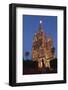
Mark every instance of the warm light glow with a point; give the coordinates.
(38, 54)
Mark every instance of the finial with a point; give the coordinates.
(40, 21)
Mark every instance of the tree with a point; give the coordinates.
(27, 55)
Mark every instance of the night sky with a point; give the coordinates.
(31, 25)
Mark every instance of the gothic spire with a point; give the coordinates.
(40, 26)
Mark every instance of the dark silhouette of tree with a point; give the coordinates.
(27, 55)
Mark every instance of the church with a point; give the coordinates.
(42, 48)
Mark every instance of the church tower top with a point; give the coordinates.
(40, 21)
(40, 26)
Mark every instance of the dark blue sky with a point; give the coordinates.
(30, 26)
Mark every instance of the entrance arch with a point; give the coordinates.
(41, 62)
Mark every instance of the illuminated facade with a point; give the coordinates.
(42, 48)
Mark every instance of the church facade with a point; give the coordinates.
(42, 48)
